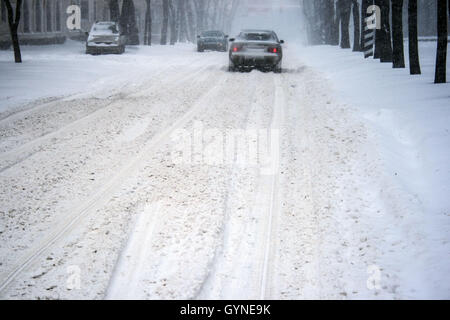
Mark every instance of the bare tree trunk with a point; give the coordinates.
(114, 10)
(441, 55)
(200, 13)
(173, 23)
(184, 30)
(179, 18)
(206, 23)
(231, 15)
(335, 21)
(148, 24)
(165, 24)
(356, 26)
(310, 13)
(13, 26)
(344, 12)
(386, 45)
(133, 32)
(398, 56)
(328, 21)
(190, 21)
(215, 12)
(414, 63)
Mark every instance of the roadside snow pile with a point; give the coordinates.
(53, 71)
(409, 118)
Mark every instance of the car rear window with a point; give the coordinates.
(257, 36)
(211, 34)
(105, 27)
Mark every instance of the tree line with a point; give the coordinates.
(328, 22)
(182, 20)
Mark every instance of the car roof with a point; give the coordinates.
(105, 22)
(257, 31)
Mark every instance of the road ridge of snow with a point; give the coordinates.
(100, 197)
(273, 207)
(206, 284)
(124, 283)
(230, 274)
(16, 152)
(42, 103)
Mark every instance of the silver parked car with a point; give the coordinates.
(105, 37)
(259, 49)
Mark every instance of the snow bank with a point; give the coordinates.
(54, 71)
(409, 117)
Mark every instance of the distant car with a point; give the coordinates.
(105, 37)
(256, 49)
(212, 40)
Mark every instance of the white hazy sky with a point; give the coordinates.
(282, 16)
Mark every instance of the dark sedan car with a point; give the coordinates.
(212, 40)
(256, 49)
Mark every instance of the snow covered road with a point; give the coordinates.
(185, 181)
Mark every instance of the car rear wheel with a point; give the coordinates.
(231, 67)
(277, 68)
(200, 49)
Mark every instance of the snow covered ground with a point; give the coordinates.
(409, 118)
(157, 174)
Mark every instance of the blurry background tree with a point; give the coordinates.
(442, 30)
(165, 22)
(356, 26)
(385, 50)
(328, 22)
(128, 22)
(148, 23)
(174, 23)
(114, 10)
(13, 21)
(414, 63)
(398, 57)
(344, 10)
(312, 13)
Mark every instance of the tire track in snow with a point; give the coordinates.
(45, 102)
(18, 114)
(30, 148)
(273, 186)
(238, 272)
(128, 272)
(103, 195)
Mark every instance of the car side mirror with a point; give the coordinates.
(281, 41)
(87, 34)
(231, 39)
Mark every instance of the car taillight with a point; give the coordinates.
(235, 49)
(273, 50)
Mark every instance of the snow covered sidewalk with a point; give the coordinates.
(408, 121)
